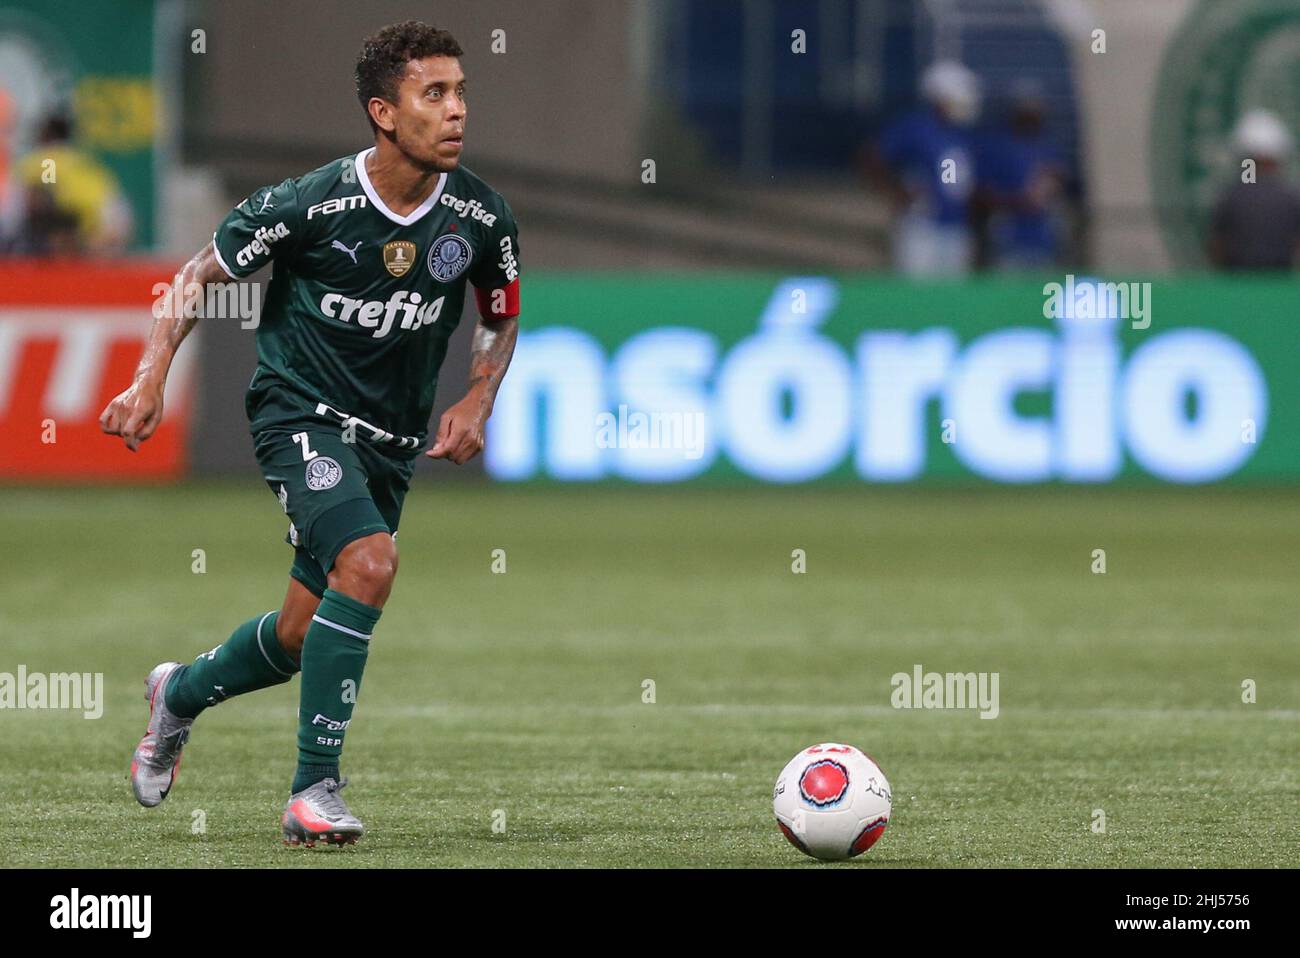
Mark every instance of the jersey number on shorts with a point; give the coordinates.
(308, 454)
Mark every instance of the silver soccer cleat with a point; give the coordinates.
(319, 814)
(158, 756)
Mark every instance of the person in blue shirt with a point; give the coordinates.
(1022, 183)
(925, 162)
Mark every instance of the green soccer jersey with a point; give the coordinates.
(362, 301)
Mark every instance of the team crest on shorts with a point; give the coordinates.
(399, 256)
(448, 257)
(323, 473)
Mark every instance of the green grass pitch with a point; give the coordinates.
(522, 692)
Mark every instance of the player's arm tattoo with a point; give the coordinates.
(494, 345)
(177, 313)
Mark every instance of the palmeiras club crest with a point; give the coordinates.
(1225, 58)
(449, 256)
(323, 473)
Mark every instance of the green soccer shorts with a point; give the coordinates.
(332, 491)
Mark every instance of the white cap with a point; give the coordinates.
(949, 84)
(1260, 134)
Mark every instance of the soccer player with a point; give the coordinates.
(371, 253)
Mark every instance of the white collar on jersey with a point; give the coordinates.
(364, 179)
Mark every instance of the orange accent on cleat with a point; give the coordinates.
(309, 820)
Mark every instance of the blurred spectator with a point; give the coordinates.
(1022, 177)
(925, 163)
(1256, 225)
(72, 203)
(10, 205)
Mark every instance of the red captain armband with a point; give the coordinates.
(499, 303)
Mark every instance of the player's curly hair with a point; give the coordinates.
(384, 57)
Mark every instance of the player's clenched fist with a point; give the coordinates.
(460, 433)
(133, 414)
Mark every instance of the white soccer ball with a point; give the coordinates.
(832, 801)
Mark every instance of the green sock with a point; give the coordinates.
(250, 659)
(333, 658)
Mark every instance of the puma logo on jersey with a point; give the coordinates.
(351, 252)
(471, 208)
(337, 205)
(261, 243)
(266, 203)
(379, 315)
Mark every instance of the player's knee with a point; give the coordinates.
(365, 569)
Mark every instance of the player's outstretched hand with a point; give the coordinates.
(460, 433)
(133, 414)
